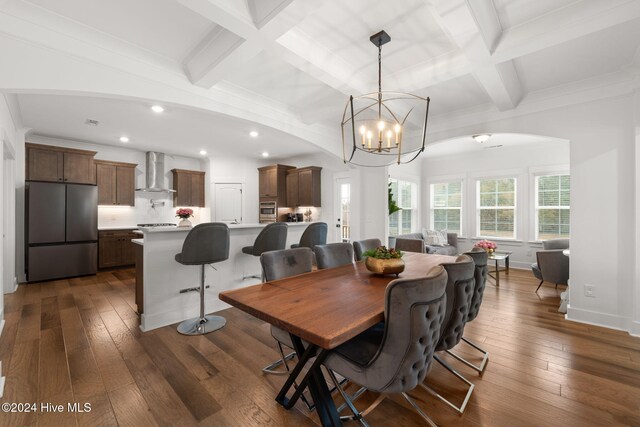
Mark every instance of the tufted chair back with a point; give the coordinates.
(460, 289)
(414, 311)
(333, 255)
(480, 258)
(287, 262)
(362, 246)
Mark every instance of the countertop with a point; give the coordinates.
(138, 241)
(122, 227)
(231, 226)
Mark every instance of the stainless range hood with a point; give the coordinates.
(155, 181)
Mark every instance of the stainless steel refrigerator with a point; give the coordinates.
(61, 230)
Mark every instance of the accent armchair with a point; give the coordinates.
(552, 265)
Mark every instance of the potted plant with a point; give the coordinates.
(384, 261)
(487, 245)
(184, 214)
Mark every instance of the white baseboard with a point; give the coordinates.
(1, 380)
(599, 319)
(635, 329)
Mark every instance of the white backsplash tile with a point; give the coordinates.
(143, 212)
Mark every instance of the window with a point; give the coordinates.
(552, 206)
(446, 206)
(406, 196)
(496, 204)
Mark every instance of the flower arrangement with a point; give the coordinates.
(381, 252)
(185, 213)
(487, 245)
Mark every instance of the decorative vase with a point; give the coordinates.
(184, 222)
(384, 266)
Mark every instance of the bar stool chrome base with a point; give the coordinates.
(201, 326)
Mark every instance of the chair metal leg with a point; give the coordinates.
(357, 416)
(485, 359)
(205, 323)
(270, 369)
(459, 409)
(419, 411)
(541, 282)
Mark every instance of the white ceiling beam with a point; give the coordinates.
(568, 23)
(238, 40)
(474, 26)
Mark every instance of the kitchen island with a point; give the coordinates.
(160, 278)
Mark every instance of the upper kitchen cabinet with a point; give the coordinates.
(58, 164)
(272, 183)
(189, 186)
(303, 187)
(116, 183)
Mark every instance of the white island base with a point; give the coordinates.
(163, 277)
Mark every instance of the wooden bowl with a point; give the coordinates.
(384, 266)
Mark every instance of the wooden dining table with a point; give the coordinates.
(324, 308)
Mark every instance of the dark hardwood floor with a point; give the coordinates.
(78, 341)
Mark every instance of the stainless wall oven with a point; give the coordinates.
(268, 212)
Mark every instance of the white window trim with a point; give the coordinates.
(534, 172)
(462, 203)
(516, 213)
(440, 179)
(416, 218)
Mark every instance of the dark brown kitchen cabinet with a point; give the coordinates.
(115, 248)
(272, 183)
(189, 186)
(59, 164)
(303, 187)
(116, 183)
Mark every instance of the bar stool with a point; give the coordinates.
(314, 234)
(273, 237)
(205, 244)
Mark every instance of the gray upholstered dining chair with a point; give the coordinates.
(278, 265)
(333, 255)
(460, 290)
(396, 356)
(361, 246)
(410, 245)
(314, 234)
(205, 244)
(273, 237)
(480, 259)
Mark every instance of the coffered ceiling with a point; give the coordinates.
(290, 65)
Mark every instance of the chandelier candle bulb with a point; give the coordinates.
(388, 139)
(363, 131)
(369, 136)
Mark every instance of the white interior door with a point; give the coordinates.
(343, 209)
(228, 203)
(8, 221)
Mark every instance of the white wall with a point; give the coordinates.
(602, 140)
(520, 162)
(10, 136)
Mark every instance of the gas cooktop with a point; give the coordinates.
(158, 224)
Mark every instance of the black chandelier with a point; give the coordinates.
(378, 128)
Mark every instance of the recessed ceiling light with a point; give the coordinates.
(124, 139)
(253, 134)
(265, 154)
(157, 108)
(484, 137)
(203, 152)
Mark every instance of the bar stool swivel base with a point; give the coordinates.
(200, 326)
(205, 323)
